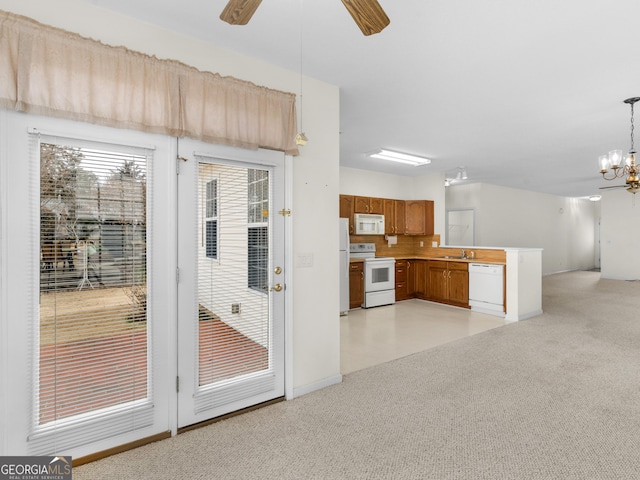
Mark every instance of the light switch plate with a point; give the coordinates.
(304, 260)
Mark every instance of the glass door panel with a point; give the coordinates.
(231, 321)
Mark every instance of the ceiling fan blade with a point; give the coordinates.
(368, 14)
(239, 12)
(613, 186)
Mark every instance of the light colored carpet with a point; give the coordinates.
(552, 397)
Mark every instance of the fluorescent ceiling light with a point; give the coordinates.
(400, 157)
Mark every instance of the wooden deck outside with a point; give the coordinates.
(94, 355)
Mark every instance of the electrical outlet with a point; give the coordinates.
(235, 308)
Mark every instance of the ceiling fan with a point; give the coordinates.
(368, 14)
(630, 187)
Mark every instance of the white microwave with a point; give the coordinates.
(369, 224)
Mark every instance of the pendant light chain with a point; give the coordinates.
(632, 149)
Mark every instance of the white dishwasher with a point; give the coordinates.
(486, 288)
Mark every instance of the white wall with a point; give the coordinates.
(316, 313)
(316, 328)
(620, 234)
(376, 184)
(505, 217)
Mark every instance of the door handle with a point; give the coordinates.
(277, 287)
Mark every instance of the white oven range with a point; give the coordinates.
(379, 275)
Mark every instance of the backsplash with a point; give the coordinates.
(407, 244)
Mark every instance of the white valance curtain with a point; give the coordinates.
(48, 71)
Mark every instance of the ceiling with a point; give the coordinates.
(525, 94)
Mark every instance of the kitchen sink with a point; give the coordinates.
(452, 257)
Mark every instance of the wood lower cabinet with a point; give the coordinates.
(411, 279)
(448, 282)
(419, 279)
(356, 284)
(402, 283)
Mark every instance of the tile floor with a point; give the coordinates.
(377, 335)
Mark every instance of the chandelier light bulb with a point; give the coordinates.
(604, 163)
(615, 156)
(629, 159)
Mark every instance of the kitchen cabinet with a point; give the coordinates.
(394, 216)
(418, 279)
(448, 282)
(402, 217)
(356, 284)
(419, 217)
(368, 205)
(402, 284)
(346, 210)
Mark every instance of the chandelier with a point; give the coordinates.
(614, 165)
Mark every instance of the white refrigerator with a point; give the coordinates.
(344, 266)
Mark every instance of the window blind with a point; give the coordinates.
(234, 318)
(91, 364)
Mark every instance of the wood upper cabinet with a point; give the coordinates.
(448, 282)
(368, 205)
(394, 216)
(402, 217)
(346, 210)
(356, 284)
(419, 217)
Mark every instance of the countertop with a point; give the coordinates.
(428, 257)
(444, 259)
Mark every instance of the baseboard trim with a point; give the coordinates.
(312, 387)
(119, 449)
(516, 318)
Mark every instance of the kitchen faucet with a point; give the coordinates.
(464, 254)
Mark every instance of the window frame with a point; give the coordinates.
(258, 262)
(214, 219)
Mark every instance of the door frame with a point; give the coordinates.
(472, 210)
